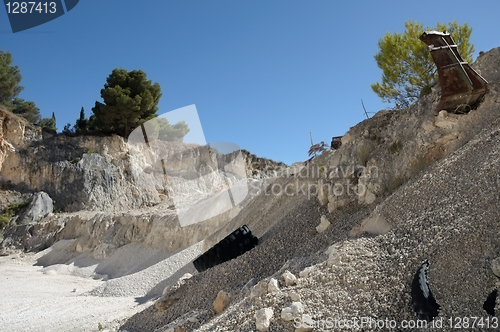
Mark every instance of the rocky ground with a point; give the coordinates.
(371, 276)
(444, 214)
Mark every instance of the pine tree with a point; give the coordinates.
(129, 100)
(160, 128)
(48, 123)
(68, 130)
(25, 109)
(168, 132)
(10, 77)
(81, 126)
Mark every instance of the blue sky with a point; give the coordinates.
(262, 74)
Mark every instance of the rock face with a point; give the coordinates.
(102, 173)
(79, 173)
(39, 207)
(6, 119)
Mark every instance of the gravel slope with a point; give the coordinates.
(290, 240)
(448, 215)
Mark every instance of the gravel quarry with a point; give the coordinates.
(435, 198)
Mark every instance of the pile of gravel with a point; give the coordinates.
(448, 216)
(290, 242)
(149, 282)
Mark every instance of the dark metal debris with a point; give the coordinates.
(424, 303)
(490, 303)
(336, 142)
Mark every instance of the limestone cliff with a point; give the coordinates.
(124, 184)
(89, 172)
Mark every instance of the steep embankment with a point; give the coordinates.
(442, 211)
(447, 215)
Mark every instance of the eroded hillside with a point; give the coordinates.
(430, 193)
(405, 186)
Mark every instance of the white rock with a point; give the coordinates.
(375, 225)
(273, 286)
(292, 311)
(323, 225)
(369, 197)
(445, 120)
(263, 318)
(294, 296)
(258, 290)
(495, 266)
(305, 273)
(290, 278)
(332, 250)
(181, 281)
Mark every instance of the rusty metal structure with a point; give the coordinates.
(461, 86)
(336, 142)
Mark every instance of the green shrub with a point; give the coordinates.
(396, 147)
(395, 183)
(418, 164)
(364, 154)
(427, 89)
(9, 212)
(4, 220)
